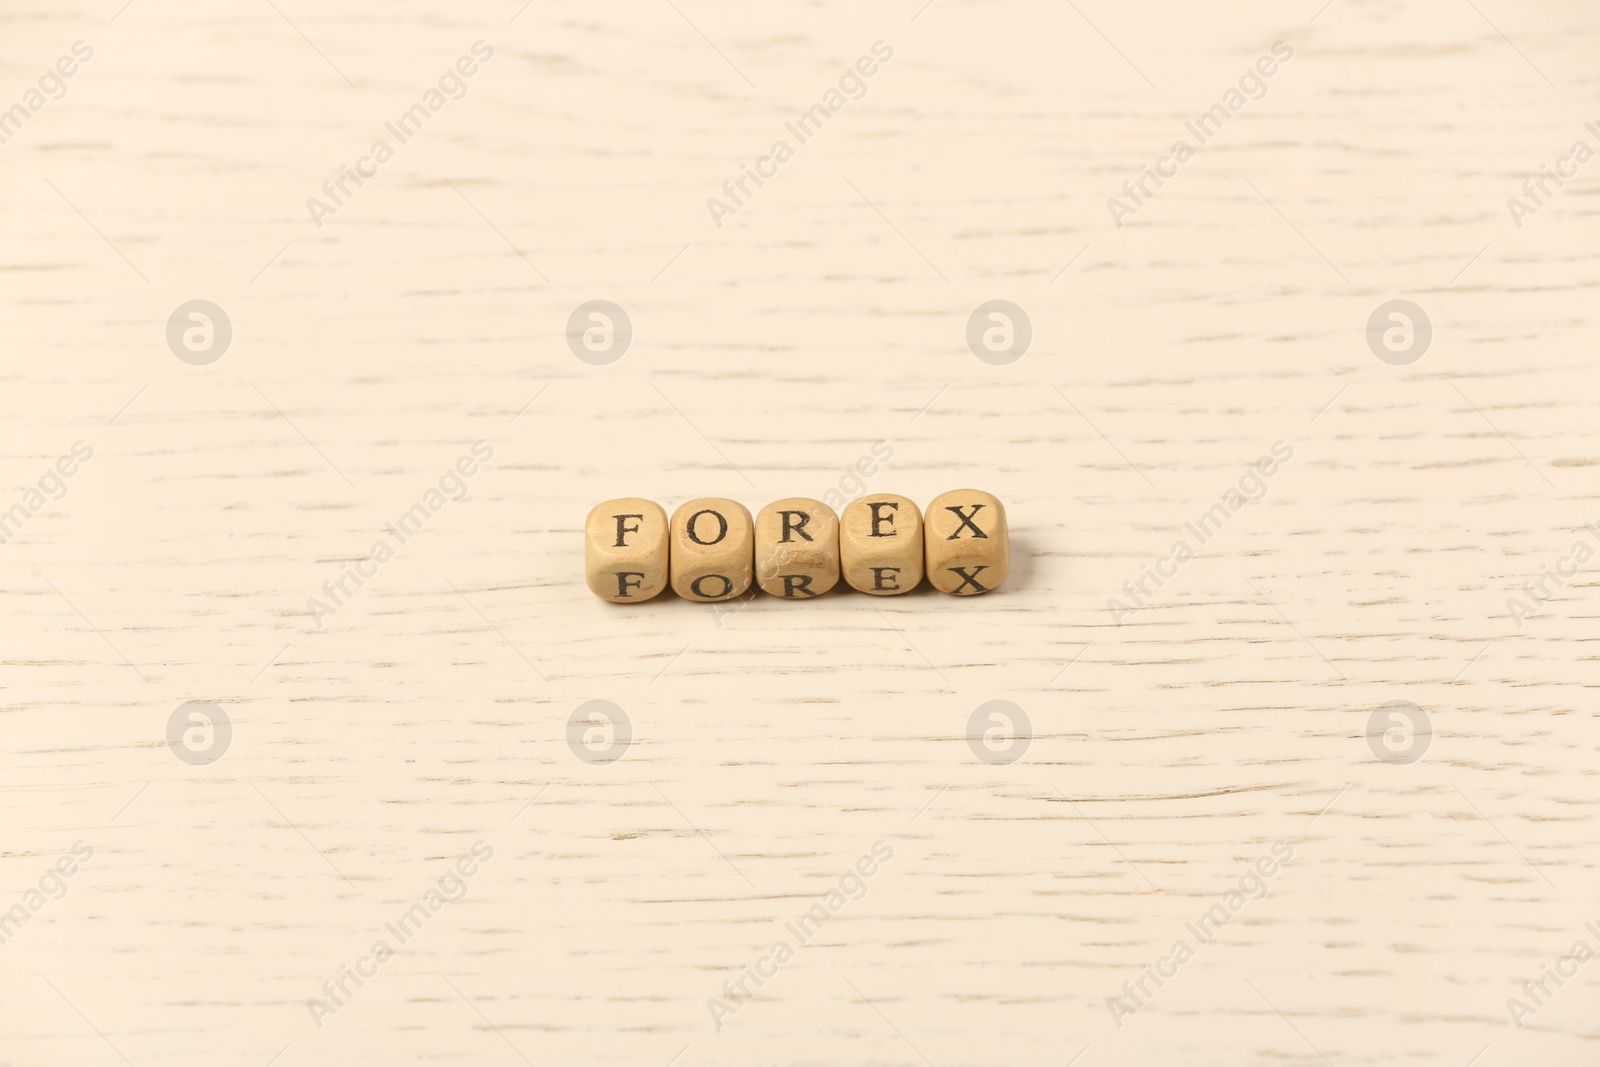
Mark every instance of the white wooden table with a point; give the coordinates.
(227, 884)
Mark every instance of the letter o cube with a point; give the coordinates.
(713, 545)
(797, 548)
(968, 545)
(625, 549)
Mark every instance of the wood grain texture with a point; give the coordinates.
(380, 730)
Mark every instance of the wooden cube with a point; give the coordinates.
(625, 550)
(713, 549)
(967, 544)
(797, 548)
(880, 544)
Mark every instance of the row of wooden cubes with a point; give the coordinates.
(711, 549)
